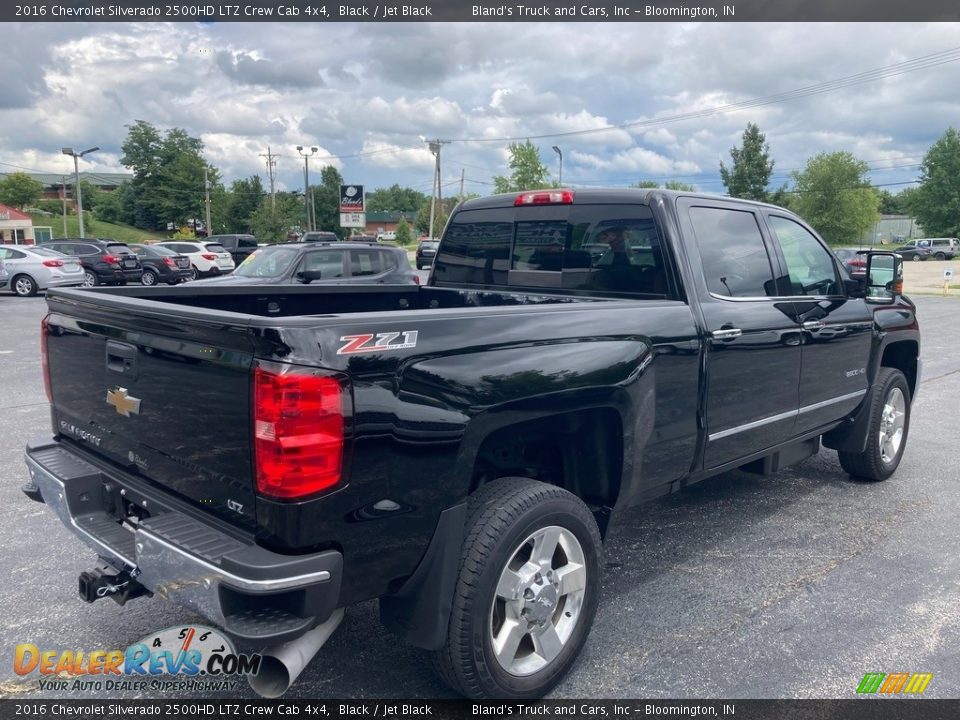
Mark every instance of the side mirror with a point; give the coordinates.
(884, 277)
(308, 276)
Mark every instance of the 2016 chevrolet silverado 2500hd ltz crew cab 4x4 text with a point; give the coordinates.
(269, 455)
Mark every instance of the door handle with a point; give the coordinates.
(726, 333)
(812, 325)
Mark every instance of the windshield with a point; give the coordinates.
(267, 262)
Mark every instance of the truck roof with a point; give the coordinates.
(602, 195)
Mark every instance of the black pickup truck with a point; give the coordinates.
(270, 455)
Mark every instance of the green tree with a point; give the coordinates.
(271, 224)
(936, 202)
(752, 167)
(403, 232)
(670, 185)
(243, 201)
(527, 171)
(19, 190)
(168, 176)
(394, 199)
(834, 195)
(443, 209)
(326, 201)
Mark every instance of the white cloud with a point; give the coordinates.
(365, 92)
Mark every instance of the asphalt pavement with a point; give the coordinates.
(791, 586)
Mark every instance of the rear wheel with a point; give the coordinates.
(917, 258)
(90, 278)
(24, 286)
(527, 591)
(194, 274)
(888, 428)
(149, 277)
(941, 256)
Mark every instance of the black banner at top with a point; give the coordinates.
(622, 11)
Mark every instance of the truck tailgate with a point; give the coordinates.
(166, 399)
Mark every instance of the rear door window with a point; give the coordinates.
(119, 250)
(733, 255)
(365, 262)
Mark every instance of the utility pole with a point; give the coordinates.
(271, 168)
(307, 195)
(462, 172)
(76, 173)
(63, 186)
(435, 146)
(206, 190)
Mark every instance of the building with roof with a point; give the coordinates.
(386, 221)
(16, 228)
(56, 186)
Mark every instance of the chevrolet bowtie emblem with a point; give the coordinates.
(123, 402)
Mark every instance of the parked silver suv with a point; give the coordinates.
(940, 248)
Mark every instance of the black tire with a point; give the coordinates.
(149, 277)
(24, 285)
(504, 518)
(877, 462)
(194, 273)
(90, 279)
(419, 266)
(941, 256)
(917, 258)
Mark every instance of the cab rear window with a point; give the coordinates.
(609, 249)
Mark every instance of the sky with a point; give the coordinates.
(630, 102)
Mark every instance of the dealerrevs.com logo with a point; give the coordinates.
(194, 657)
(894, 683)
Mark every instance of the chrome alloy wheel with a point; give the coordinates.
(892, 422)
(538, 601)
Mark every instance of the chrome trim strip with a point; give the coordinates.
(783, 416)
(831, 401)
(752, 425)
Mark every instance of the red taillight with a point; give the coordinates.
(298, 432)
(111, 259)
(53, 263)
(416, 279)
(545, 197)
(208, 256)
(44, 362)
(169, 262)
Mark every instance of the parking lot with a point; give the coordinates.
(791, 586)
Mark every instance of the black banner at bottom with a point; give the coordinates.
(855, 709)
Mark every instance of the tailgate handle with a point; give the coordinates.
(122, 358)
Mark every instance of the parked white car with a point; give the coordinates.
(206, 258)
(29, 268)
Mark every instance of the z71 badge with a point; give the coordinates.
(380, 342)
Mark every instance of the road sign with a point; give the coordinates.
(353, 219)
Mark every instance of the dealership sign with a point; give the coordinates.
(351, 206)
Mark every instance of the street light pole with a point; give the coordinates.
(307, 195)
(560, 176)
(76, 173)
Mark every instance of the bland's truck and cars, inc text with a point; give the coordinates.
(269, 455)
